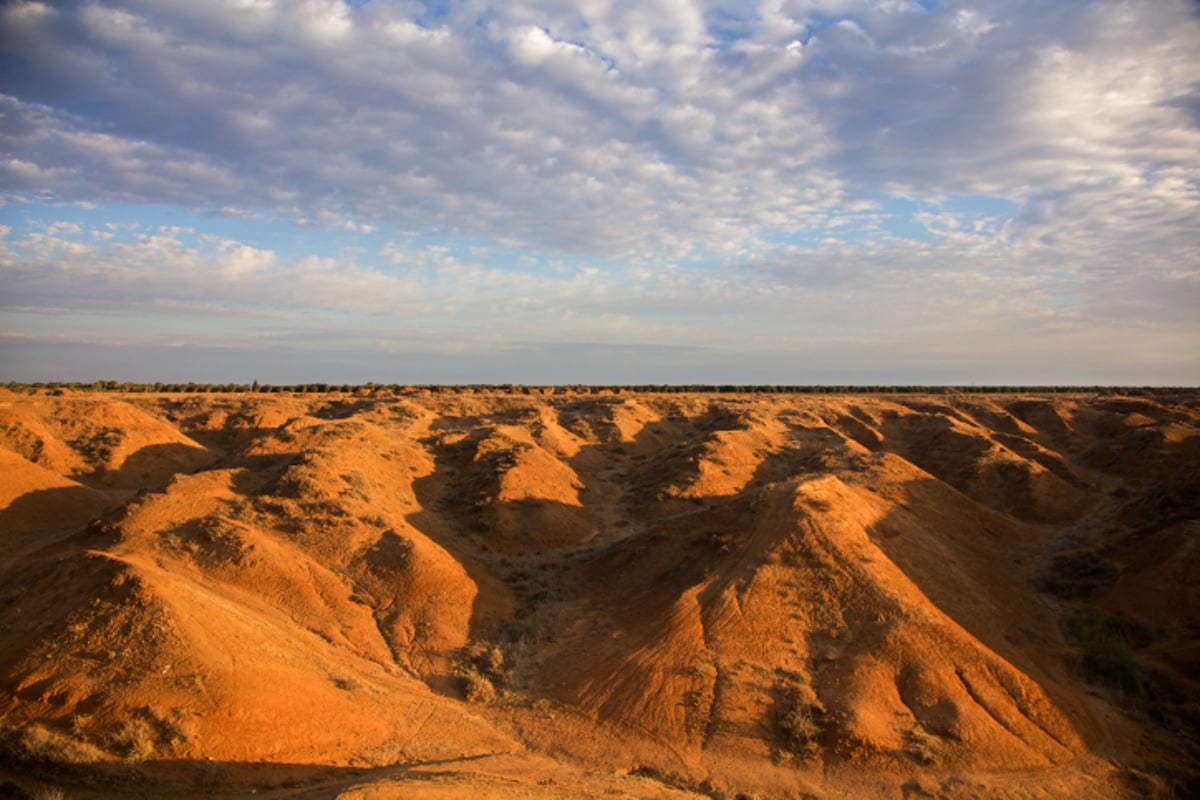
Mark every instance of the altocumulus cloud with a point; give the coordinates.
(897, 190)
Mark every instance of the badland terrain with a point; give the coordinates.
(435, 594)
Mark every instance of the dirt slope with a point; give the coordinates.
(588, 595)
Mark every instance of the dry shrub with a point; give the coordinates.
(38, 744)
(476, 688)
(134, 739)
(48, 793)
(920, 746)
(1153, 785)
(1075, 576)
(800, 728)
(480, 668)
(151, 733)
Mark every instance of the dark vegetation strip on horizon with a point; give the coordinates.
(373, 389)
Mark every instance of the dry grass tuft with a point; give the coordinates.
(800, 727)
(919, 745)
(48, 793)
(134, 739)
(37, 744)
(1154, 786)
(481, 669)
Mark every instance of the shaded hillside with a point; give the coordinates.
(574, 595)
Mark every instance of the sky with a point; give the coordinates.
(601, 191)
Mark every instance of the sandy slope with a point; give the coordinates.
(598, 595)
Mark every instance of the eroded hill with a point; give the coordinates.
(589, 595)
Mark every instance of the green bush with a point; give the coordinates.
(1108, 641)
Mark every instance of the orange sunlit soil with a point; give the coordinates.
(433, 594)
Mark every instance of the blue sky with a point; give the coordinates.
(670, 191)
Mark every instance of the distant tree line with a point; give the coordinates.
(375, 389)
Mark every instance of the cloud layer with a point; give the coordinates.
(742, 177)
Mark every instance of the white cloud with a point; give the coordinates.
(645, 136)
(646, 120)
(959, 294)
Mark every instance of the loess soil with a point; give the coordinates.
(439, 594)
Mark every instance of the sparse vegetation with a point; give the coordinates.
(757, 618)
(919, 744)
(1108, 641)
(41, 745)
(369, 389)
(1074, 576)
(477, 688)
(99, 447)
(152, 733)
(134, 739)
(481, 671)
(48, 793)
(800, 726)
(1153, 786)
